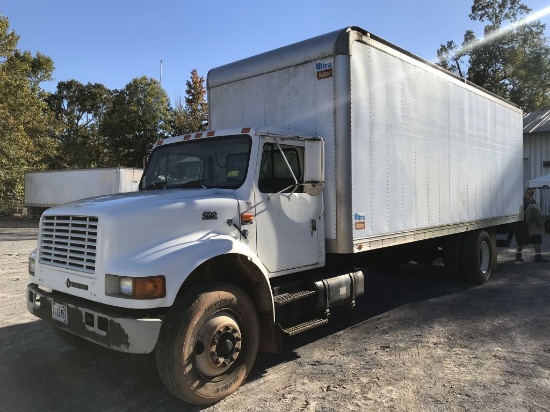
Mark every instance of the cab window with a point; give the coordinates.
(275, 174)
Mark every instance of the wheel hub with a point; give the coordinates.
(218, 344)
(484, 257)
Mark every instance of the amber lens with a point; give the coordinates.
(149, 288)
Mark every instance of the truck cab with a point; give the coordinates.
(217, 213)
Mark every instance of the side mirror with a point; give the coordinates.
(145, 161)
(314, 171)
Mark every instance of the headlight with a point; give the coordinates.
(32, 262)
(151, 287)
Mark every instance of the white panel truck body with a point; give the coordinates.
(55, 187)
(322, 157)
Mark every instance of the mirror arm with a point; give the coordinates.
(287, 164)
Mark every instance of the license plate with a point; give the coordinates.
(59, 312)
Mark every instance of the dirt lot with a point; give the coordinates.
(416, 342)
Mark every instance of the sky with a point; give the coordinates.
(114, 41)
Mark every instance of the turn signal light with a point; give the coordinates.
(247, 218)
(153, 287)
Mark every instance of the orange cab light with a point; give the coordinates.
(245, 130)
(187, 137)
(198, 135)
(152, 287)
(210, 133)
(159, 142)
(247, 218)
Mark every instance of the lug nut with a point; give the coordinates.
(224, 363)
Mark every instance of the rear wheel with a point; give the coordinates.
(208, 343)
(478, 256)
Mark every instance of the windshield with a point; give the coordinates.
(214, 162)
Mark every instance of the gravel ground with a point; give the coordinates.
(415, 342)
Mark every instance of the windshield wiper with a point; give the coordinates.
(199, 183)
(156, 185)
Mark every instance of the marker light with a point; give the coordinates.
(247, 218)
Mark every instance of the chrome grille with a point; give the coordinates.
(69, 242)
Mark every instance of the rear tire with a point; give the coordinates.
(478, 256)
(208, 343)
(452, 257)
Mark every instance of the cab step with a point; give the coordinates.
(286, 298)
(302, 327)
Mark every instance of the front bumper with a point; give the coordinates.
(119, 332)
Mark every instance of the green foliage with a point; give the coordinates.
(80, 125)
(512, 59)
(80, 109)
(193, 116)
(139, 115)
(26, 124)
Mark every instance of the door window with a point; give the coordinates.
(275, 175)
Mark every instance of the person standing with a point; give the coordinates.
(531, 228)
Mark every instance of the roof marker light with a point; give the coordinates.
(245, 130)
(211, 133)
(187, 137)
(159, 142)
(198, 135)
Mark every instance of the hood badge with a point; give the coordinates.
(209, 215)
(75, 285)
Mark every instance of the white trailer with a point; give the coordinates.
(55, 187)
(336, 151)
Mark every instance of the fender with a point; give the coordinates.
(178, 258)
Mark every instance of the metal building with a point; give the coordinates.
(536, 145)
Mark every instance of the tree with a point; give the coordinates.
(139, 115)
(193, 116)
(512, 59)
(81, 108)
(26, 123)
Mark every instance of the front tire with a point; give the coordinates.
(208, 343)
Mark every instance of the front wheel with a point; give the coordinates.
(208, 343)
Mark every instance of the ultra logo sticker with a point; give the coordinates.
(360, 221)
(324, 70)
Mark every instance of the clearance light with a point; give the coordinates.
(210, 133)
(247, 218)
(151, 287)
(159, 142)
(245, 130)
(198, 135)
(187, 137)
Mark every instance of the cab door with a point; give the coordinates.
(288, 224)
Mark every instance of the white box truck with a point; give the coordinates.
(321, 156)
(55, 187)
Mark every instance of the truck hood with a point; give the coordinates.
(131, 224)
